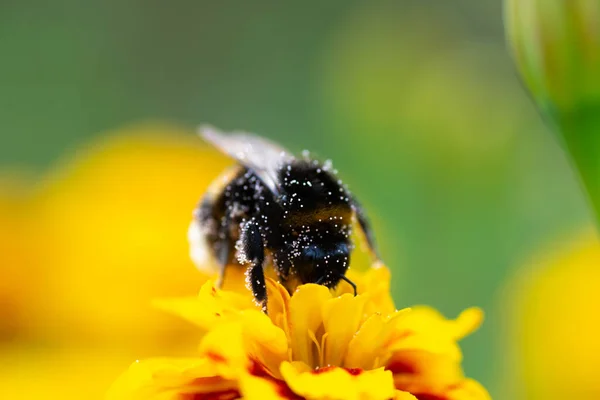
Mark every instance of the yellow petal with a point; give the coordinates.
(374, 342)
(401, 395)
(168, 378)
(366, 344)
(333, 383)
(264, 342)
(468, 322)
(341, 318)
(429, 342)
(224, 347)
(426, 319)
(278, 304)
(419, 371)
(256, 388)
(304, 319)
(210, 307)
(375, 283)
(426, 329)
(468, 390)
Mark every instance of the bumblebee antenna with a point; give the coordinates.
(345, 278)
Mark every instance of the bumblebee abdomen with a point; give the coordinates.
(312, 194)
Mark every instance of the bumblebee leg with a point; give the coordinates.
(256, 276)
(222, 259)
(254, 251)
(365, 226)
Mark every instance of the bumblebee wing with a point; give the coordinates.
(262, 156)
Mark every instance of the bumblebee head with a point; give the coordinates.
(322, 263)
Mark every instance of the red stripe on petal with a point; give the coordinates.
(229, 394)
(259, 370)
(206, 381)
(322, 370)
(215, 357)
(286, 393)
(351, 371)
(401, 367)
(430, 397)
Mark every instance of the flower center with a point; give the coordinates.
(318, 348)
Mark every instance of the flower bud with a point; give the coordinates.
(556, 46)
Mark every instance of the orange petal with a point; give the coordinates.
(337, 383)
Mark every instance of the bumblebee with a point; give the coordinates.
(274, 208)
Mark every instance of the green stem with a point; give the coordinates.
(580, 131)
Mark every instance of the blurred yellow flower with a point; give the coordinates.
(554, 325)
(15, 260)
(314, 345)
(110, 234)
(84, 253)
(38, 371)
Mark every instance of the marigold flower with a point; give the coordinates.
(314, 344)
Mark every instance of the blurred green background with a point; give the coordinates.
(417, 103)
